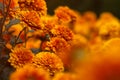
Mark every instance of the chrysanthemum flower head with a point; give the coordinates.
(107, 16)
(32, 19)
(65, 76)
(20, 57)
(65, 14)
(36, 5)
(95, 45)
(110, 29)
(29, 72)
(102, 66)
(49, 61)
(57, 44)
(79, 41)
(49, 23)
(89, 16)
(60, 47)
(81, 27)
(62, 31)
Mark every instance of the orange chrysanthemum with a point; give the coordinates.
(60, 47)
(104, 68)
(90, 17)
(104, 65)
(56, 45)
(20, 56)
(29, 72)
(81, 27)
(105, 18)
(49, 24)
(110, 29)
(65, 14)
(62, 31)
(65, 76)
(36, 5)
(32, 19)
(48, 61)
(79, 41)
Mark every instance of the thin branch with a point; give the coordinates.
(4, 18)
(3, 7)
(25, 36)
(19, 36)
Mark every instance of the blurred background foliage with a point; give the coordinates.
(97, 6)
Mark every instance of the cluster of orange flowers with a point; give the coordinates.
(65, 46)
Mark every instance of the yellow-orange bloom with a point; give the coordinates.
(62, 31)
(32, 19)
(105, 18)
(95, 45)
(36, 5)
(102, 66)
(60, 47)
(65, 76)
(48, 61)
(20, 56)
(49, 23)
(56, 44)
(29, 72)
(89, 17)
(81, 27)
(65, 14)
(79, 41)
(110, 29)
